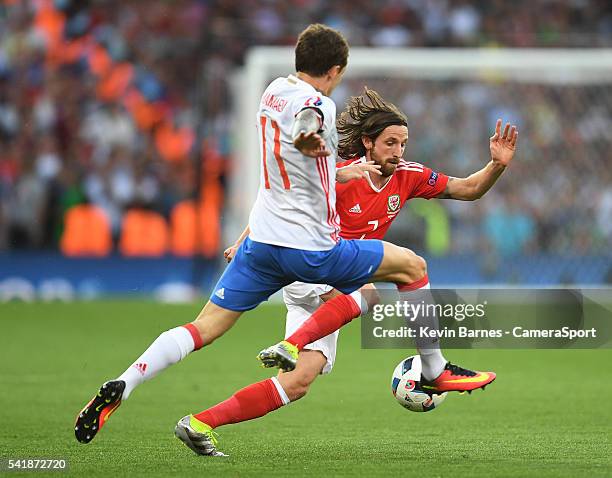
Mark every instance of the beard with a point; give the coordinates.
(386, 168)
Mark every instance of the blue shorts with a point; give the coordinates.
(259, 270)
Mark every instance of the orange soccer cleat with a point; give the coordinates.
(457, 379)
(94, 415)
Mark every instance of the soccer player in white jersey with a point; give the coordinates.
(372, 130)
(294, 234)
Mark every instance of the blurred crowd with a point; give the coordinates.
(119, 103)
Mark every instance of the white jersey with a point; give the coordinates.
(296, 202)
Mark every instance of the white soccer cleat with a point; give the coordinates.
(198, 436)
(283, 355)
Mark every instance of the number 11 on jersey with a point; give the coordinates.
(279, 160)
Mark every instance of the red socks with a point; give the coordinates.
(328, 318)
(251, 402)
(414, 285)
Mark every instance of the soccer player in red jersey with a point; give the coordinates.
(373, 131)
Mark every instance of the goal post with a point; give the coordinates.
(570, 87)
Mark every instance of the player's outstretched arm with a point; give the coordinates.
(502, 147)
(305, 134)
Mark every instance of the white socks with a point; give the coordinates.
(432, 360)
(169, 348)
(361, 302)
(432, 363)
(281, 391)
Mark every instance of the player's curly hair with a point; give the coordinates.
(365, 115)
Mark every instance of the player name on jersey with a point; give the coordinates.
(274, 102)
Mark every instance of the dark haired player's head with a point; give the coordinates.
(322, 53)
(374, 128)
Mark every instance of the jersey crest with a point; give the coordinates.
(393, 203)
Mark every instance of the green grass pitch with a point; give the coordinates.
(548, 413)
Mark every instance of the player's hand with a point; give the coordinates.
(503, 145)
(311, 144)
(230, 252)
(357, 171)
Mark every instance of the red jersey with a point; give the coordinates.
(366, 212)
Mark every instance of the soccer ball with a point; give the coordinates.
(406, 387)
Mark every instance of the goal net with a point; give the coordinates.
(548, 220)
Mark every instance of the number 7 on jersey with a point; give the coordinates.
(375, 226)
